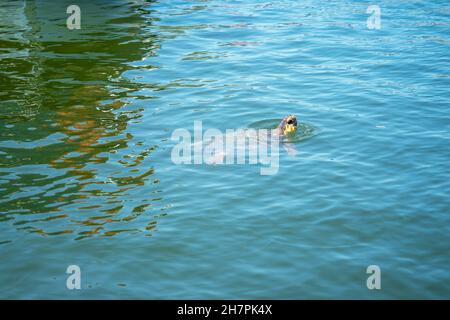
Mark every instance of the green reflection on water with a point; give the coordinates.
(70, 164)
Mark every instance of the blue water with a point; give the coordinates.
(86, 176)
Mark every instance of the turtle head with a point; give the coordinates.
(288, 125)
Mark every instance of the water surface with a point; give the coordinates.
(86, 176)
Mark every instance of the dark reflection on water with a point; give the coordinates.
(69, 162)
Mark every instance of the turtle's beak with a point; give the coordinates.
(289, 128)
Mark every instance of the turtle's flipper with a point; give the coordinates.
(290, 149)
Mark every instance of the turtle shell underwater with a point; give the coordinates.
(216, 147)
(286, 128)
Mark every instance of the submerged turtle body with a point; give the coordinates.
(287, 127)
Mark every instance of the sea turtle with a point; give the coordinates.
(269, 138)
(286, 128)
(236, 146)
(288, 125)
